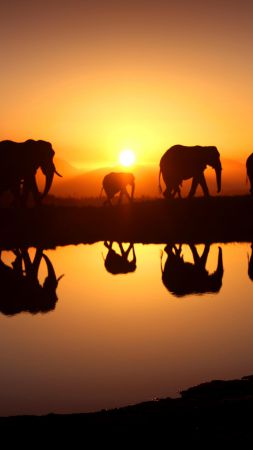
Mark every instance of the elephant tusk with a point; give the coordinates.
(57, 173)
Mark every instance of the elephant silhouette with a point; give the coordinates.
(180, 163)
(184, 278)
(249, 170)
(250, 263)
(115, 182)
(119, 263)
(20, 286)
(19, 162)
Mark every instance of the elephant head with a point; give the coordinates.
(213, 160)
(41, 155)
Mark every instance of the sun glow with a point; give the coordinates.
(127, 158)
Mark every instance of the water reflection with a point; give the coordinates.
(250, 263)
(121, 262)
(116, 340)
(20, 286)
(185, 278)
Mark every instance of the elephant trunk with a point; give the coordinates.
(219, 270)
(49, 173)
(218, 274)
(133, 189)
(51, 281)
(215, 280)
(49, 181)
(218, 169)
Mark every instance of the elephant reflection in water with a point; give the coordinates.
(21, 290)
(185, 278)
(119, 263)
(250, 263)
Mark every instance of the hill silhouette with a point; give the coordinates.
(76, 183)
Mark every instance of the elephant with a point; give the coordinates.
(20, 286)
(118, 263)
(249, 169)
(115, 182)
(181, 162)
(19, 162)
(250, 264)
(184, 278)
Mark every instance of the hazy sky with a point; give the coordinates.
(94, 77)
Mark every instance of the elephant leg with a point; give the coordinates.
(127, 251)
(35, 192)
(204, 256)
(195, 255)
(195, 182)
(108, 201)
(31, 186)
(120, 196)
(202, 182)
(124, 191)
(179, 192)
(16, 192)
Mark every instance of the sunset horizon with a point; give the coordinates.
(126, 202)
(94, 79)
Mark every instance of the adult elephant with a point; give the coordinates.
(21, 290)
(180, 163)
(115, 182)
(185, 278)
(249, 168)
(19, 162)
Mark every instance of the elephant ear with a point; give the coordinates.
(45, 149)
(35, 152)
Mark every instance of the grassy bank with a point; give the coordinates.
(218, 412)
(217, 219)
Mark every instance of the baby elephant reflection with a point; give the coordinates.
(20, 287)
(185, 278)
(119, 263)
(250, 263)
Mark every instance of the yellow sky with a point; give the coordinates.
(96, 77)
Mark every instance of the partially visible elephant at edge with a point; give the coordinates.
(181, 162)
(249, 169)
(19, 162)
(250, 264)
(185, 278)
(115, 182)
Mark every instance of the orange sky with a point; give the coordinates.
(94, 77)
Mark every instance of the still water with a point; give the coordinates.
(96, 338)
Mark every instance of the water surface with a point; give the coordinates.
(109, 340)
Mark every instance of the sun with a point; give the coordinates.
(127, 158)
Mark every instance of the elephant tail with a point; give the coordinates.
(159, 182)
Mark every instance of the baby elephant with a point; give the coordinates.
(116, 182)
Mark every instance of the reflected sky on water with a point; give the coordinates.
(116, 337)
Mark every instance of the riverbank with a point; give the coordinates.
(199, 220)
(218, 412)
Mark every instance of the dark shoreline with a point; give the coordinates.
(199, 220)
(217, 411)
